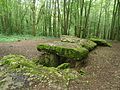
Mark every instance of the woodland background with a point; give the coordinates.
(82, 18)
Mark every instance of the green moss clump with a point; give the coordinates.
(77, 53)
(16, 61)
(64, 66)
(14, 67)
(88, 44)
(101, 42)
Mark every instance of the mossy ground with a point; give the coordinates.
(14, 38)
(16, 72)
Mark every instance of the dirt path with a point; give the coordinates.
(26, 48)
(102, 70)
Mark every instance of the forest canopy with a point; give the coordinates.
(82, 18)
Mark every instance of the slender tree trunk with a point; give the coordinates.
(118, 36)
(65, 22)
(50, 19)
(58, 18)
(86, 21)
(113, 21)
(105, 20)
(98, 26)
(81, 16)
(33, 18)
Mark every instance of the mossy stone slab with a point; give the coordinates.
(64, 49)
(101, 42)
(88, 44)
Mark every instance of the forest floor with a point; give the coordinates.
(102, 72)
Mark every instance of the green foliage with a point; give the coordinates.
(81, 18)
(14, 38)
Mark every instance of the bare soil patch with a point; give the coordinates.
(102, 70)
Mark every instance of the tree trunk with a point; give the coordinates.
(33, 18)
(98, 26)
(86, 21)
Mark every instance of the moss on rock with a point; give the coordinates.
(16, 61)
(88, 44)
(68, 50)
(64, 66)
(71, 39)
(101, 42)
(19, 73)
(47, 59)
